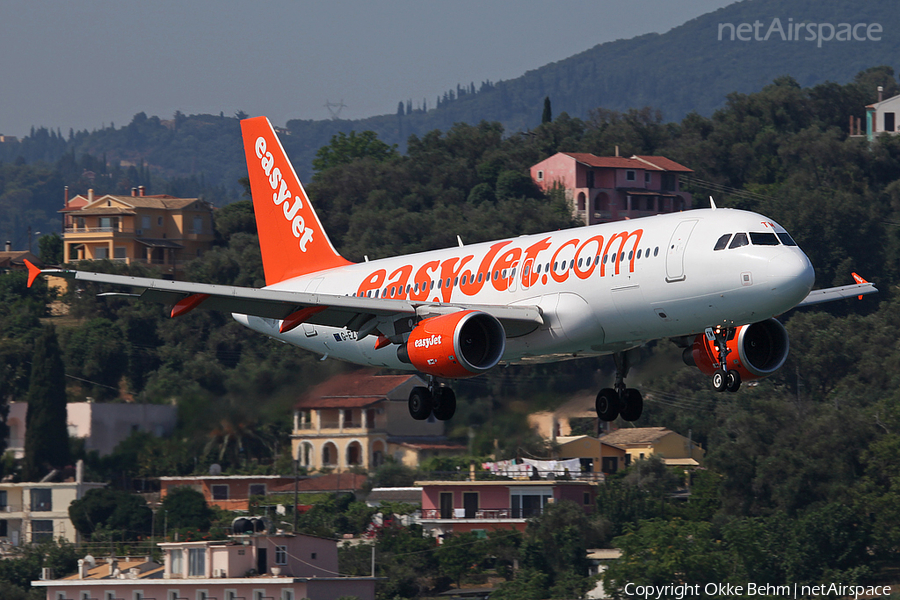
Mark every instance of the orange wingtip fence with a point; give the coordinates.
(33, 271)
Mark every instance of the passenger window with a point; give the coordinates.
(723, 242)
(740, 239)
(763, 239)
(786, 239)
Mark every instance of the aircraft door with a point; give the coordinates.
(514, 274)
(675, 251)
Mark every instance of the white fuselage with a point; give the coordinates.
(655, 277)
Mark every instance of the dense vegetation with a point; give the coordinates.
(802, 469)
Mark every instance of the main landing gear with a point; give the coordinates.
(434, 399)
(620, 401)
(723, 379)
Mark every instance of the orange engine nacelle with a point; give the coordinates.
(458, 345)
(757, 351)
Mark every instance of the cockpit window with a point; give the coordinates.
(740, 239)
(763, 238)
(786, 239)
(723, 242)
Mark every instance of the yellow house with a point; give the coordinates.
(358, 419)
(643, 442)
(159, 230)
(602, 457)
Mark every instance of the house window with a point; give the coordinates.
(172, 594)
(41, 531)
(280, 555)
(287, 594)
(202, 595)
(630, 175)
(528, 502)
(219, 492)
(120, 252)
(589, 177)
(110, 595)
(159, 220)
(313, 556)
(540, 175)
(196, 562)
(198, 225)
(3, 498)
(101, 253)
(145, 222)
(4, 528)
(230, 595)
(137, 595)
(646, 178)
(85, 596)
(581, 201)
(889, 124)
(257, 489)
(587, 498)
(176, 559)
(41, 500)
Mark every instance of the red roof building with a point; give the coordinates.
(612, 188)
(358, 419)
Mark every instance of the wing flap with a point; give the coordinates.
(341, 311)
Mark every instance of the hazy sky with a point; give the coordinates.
(88, 63)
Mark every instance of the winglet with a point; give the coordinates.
(33, 271)
(858, 279)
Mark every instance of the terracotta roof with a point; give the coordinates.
(333, 482)
(664, 163)
(16, 257)
(635, 435)
(649, 163)
(612, 162)
(352, 390)
(102, 571)
(161, 201)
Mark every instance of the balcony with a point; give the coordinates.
(70, 229)
(492, 514)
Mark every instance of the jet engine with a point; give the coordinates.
(756, 350)
(456, 345)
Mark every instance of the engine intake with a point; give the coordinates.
(458, 345)
(757, 350)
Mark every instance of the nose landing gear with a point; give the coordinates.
(723, 379)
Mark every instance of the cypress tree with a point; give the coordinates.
(548, 114)
(46, 434)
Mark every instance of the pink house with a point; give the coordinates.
(248, 567)
(482, 506)
(612, 188)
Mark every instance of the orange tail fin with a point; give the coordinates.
(291, 237)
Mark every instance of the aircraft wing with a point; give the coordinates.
(838, 293)
(319, 309)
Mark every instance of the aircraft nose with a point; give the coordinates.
(791, 274)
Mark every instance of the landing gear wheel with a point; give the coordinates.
(607, 404)
(632, 406)
(732, 381)
(420, 403)
(444, 403)
(719, 381)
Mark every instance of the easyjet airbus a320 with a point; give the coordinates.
(710, 280)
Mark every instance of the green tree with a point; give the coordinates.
(460, 554)
(345, 149)
(186, 507)
(46, 434)
(113, 510)
(547, 115)
(50, 249)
